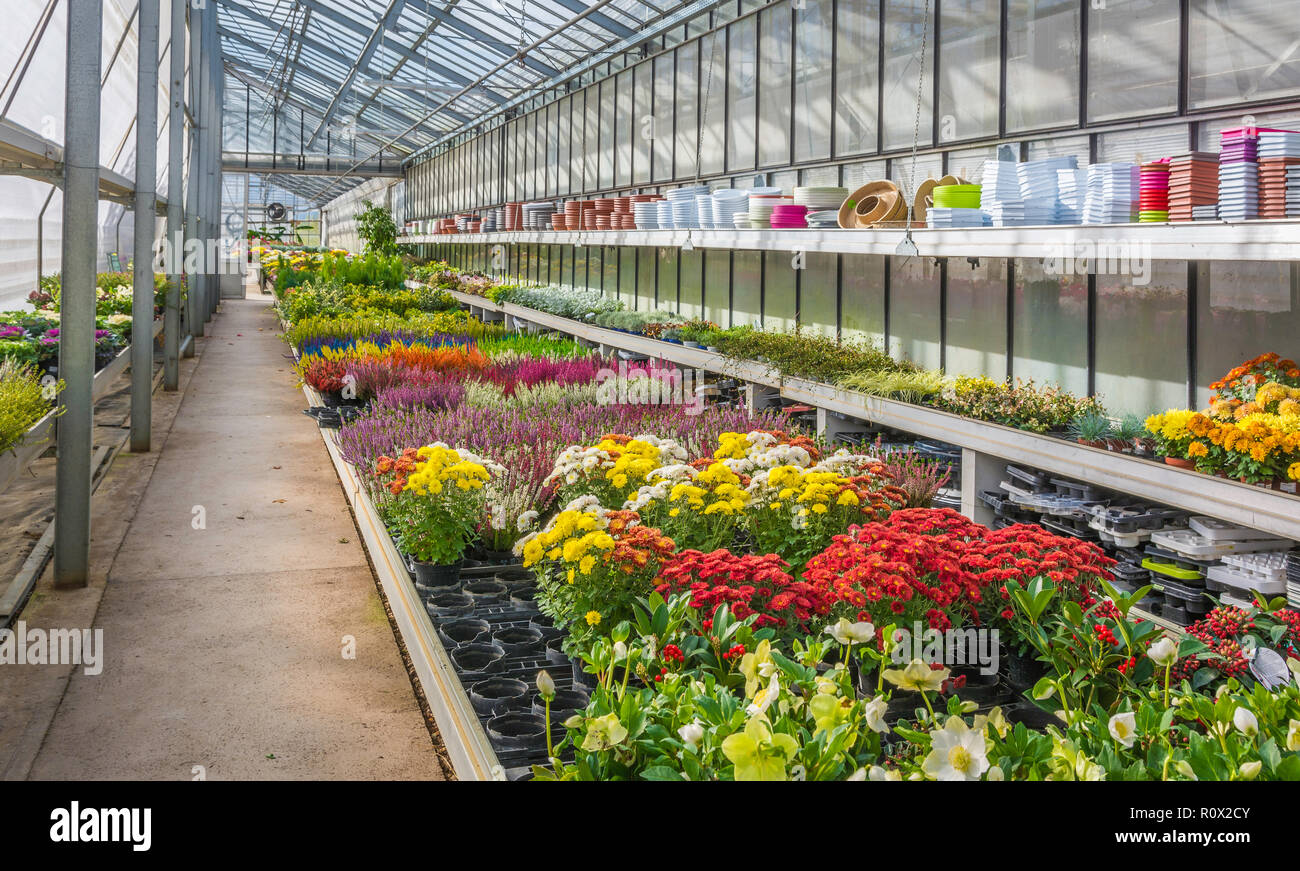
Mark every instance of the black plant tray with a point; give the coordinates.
(1077, 490)
(1128, 519)
(1055, 525)
(1037, 480)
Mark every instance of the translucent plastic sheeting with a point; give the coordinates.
(35, 102)
(338, 219)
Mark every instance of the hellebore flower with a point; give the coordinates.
(1163, 652)
(1123, 728)
(758, 753)
(957, 752)
(848, 634)
(917, 676)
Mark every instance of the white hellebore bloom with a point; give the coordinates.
(691, 733)
(1293, 736)
(996, 773)
(764, 698)
(857, 776)
(881, 775)
(1123, 728)
(957, 752)
(875, 714)
(848, 634)
(1246, 722)
(1250, 770)
(1163, 652)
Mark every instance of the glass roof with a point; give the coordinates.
(361, 72)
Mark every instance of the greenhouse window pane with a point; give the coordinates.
(1142, 339)
(780, 309)
(914, 310)
(863, 298)
(857, 46)
(591, 131)
(663, 117)
(686, 104)
(717, 287)
(713, 103)
(1050, 330)
(1132, 58)
(775, 75)
(817, 292)
(606, 179)
(1243, 309)
(691, 283)
(642, 121)
(741, 93)
(623, 130)
(1042, 63)
(905, 26)
(812, 77)
(977, 318)
(646, 280)
(1240, 52)
(667, 278)
(969, 68)
(610, 285)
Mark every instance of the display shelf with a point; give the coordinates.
(462, 735)
(1203, 240)
(26, 153)
(38, 437)
(1272, 511)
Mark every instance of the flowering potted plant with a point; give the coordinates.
(436, 507)
(592, 563)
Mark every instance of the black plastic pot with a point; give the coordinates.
(525, 596)
(1023, 670)
(331, 398)
(565, 704)
(516, 730)
(429, 576)
(555, 653)
(511, 575)
(983, 689)
(497, 695)
(484, 592)
(467, 630)
(478, 660)
(1031, 715)
(520, 641)
(582, 678)
(448, 606)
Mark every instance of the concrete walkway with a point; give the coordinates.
(231, 598)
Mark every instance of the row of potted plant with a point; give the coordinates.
(1251, 430)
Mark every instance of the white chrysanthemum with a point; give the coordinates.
(527, 519)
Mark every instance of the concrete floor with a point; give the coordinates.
(224, 644)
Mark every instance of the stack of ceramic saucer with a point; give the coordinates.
(664, 219)
(827, 219)
(646, 215)
(820, 199)
(537, 216)
(727, 205)
(686, 207)
(761, 206)
(789, 216)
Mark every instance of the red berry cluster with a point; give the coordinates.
(736, 651)
(1104, 633)
(1128, 665)
(673, 653)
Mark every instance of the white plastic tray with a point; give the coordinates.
(1219, 530)
(1188, 543)
(1243, 582)
(1269, 565)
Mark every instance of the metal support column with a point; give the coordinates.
(197, 280)
(146, 223)
(211, 163)
(175, 197)
(77, 309)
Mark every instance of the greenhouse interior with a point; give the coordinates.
(489, 390)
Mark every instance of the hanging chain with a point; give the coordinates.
(920, 91)
(704, 105)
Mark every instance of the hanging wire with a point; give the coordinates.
(907, 247)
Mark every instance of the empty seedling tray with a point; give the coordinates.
(1221, 530)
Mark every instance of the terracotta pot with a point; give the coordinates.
(1180, 463)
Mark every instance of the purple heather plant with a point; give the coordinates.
(437, 394)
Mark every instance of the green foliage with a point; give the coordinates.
(804, 355)
(377, 229)
(23, 401)
(901, 384)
